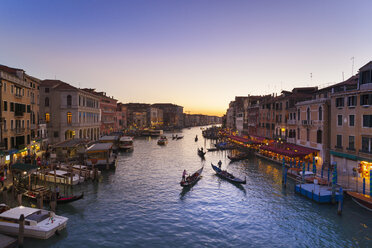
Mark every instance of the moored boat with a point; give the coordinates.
(237, 157)
(126, 143)
(39, 223)
(191, 180)
(162, 141)
(179, 137)
(362, 200)
(60, 200)
(228, 176)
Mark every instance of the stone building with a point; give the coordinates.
(15, 96)
(172, 114)
(69, 112)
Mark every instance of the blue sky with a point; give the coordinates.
(198, 54)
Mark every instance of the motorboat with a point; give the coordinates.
(163, 140)
(126, 143)
(39, 223)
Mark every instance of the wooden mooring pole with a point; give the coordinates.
(21, 230)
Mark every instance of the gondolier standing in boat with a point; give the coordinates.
(184, 175)
(219, 164)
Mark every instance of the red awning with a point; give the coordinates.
(290, 150)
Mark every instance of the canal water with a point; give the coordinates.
(141, 204)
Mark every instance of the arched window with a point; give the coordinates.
(69, 117)
(47, 117)
(46, 101)
(319, 136)
(308, 114)
(69, 100)
(320, 113)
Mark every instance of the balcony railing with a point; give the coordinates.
(292, 122)
(307, 122)
(18, 130)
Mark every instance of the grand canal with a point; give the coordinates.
(141, 204)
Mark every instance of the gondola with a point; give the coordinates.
(201, 153)
(179, 137)
(237, 157)
(60, 200)
(362, 200)
(228, 176)
(196, 138)
(191, 180)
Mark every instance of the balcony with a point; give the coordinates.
(18, 130)
(307, 122)
(292, 122)
(18, 95)
(18, 114)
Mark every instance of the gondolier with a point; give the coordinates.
(184, 175)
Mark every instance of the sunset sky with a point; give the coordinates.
(197, 53)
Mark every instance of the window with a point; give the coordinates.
(28, 109)
(298, 133)
(5, 125)
(351, 101)
(320, 113)
(4, 87)
(339, 120)
(307, 134)
(69, 117)
(351, 143)
(366, 144)
(47, 117)
(12, 89)
(69, 100)
(339, 102)
(367, 120)
(339, 141)
(366, 99)
(12, 107)
(46, 90)
(55, 134)
(319, 136)
(46, 102)
(351, 120)
(11, 124)
(298, 114)
(5, 106)
(308, 114)
(365, 77)
(28, 123)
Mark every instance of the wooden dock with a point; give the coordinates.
(318, 193)
(7, 242)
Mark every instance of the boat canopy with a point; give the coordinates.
(287, 149)
(99, 147)
(15, 213)
(126, 138)
(109, 138)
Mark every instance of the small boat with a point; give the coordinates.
(162, 141)
(363, 200)
(228, 176)
(212, 149)
(60, 200)
(196, 138)
(39, 223)
(174, 137)
(201, 153)
(191, 180)
(179, 137)
(126, 143)
(237, 157)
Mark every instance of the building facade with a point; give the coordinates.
(69, 112)
(15, 95)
